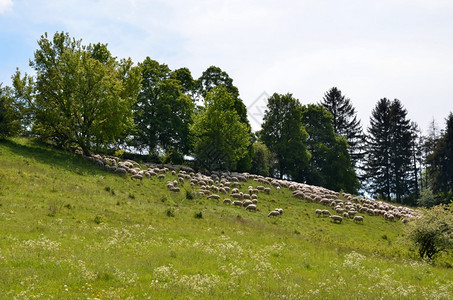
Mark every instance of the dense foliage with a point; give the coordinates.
(432, 233)
(220, 138)
(330, 165)
(82, 97)
(345, 122)
(390, 168)
(83, 94)
(284, 135)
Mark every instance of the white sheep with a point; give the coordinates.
(251, 207)
(274, 213)
(226, 201)
(358, 219)
(336, 218)
(325, 212)
(214, 196)
(318, 212)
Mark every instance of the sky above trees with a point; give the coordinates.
(369, 50)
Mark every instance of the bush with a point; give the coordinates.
(199, 215)
(433, 232)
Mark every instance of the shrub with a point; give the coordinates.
(199, 215)
(433, 232)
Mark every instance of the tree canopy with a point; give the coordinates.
(284, 135)
(220, 138)
(330, 165)
(83, 94)
(163, 112)
(345, 122)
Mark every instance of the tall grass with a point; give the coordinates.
(69, 230)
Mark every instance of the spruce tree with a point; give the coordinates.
(441, 162)
(345, 122)
(378, 170)
(390, 168)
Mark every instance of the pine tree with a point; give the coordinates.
(345, 122)
(378, 152)
(390, 169)
(441, 162)
(401, 154)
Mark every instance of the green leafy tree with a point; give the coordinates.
(213, 77)
(24, 93)
(345, 122)
(263, 160)
(285, 136)
(220, 138)
(9, 117)
(432, 233)
(163, 112)
(330, 165)
(184, 76)
(83, 94)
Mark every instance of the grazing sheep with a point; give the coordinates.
(251, 207)
(121, 171)
(175, 189)
(358, 219)
(137, 176)
(278, 189)
(325, 212)
(161, 176)
(267, 190)
(346, 215)
(280, 211)
(254, 201)
(336, 218)
(260, 188)
(236, 195)
(214, 196)
(404, 220)
(246, 203)
(318, 212)
(237, 203)
(274, 213)
(226, 201)
(254, 196)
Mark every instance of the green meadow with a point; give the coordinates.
(70, 230)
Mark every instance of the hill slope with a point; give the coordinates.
(71, 230)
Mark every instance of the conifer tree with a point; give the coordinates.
(390, 170)
(441, 162)
(345, 122)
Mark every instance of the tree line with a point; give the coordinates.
(82, 97)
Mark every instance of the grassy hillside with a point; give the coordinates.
(71, 230)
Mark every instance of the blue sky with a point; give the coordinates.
(368, 49)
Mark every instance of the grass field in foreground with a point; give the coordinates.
(69, 230)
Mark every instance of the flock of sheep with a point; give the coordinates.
(226, 186)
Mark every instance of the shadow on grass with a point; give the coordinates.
(45, 154)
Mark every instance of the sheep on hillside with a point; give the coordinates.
(358, 219)
(251, 207)
(274, 213)
(336, 218)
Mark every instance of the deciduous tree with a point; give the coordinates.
(83, 94)
(220, 138)
(284, 135)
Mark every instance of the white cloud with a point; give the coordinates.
(5, 5)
